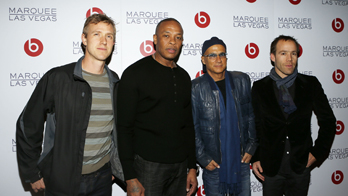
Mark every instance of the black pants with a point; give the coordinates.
(160, 179)
(291, 184)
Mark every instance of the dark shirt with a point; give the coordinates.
(154, 115)
(285, 167)
(222, 86)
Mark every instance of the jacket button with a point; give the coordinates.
(83, 94)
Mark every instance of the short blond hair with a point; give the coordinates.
(95, 19)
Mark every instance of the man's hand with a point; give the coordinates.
(257, 169)
(38, 185)
(246, 158)
(134, 188)
(311, 160)
(191, 182)
(212, 165)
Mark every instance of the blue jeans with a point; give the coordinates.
(98, 183)
(211, 181)
(161, 179)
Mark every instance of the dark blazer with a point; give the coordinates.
(272, 126)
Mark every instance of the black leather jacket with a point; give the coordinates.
(206, 117)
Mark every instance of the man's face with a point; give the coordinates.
(285, 58)
(99, 41)
(168, 40)
(215, 66)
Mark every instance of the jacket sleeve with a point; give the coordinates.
(257, 119)
(201, 156)
(191, 164)
(252, 141)
(29, 130)
(326, 122)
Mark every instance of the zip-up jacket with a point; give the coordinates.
(51, 130)
(206, 117)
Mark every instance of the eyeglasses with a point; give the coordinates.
(212, 56)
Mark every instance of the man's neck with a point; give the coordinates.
(217, 77)
(164, 62)
(94, 67)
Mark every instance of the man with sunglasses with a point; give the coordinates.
(224, 123)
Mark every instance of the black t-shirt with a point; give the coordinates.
(222, 86)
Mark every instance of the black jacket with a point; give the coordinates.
(272, 127)
(62, 99)
(206, 117)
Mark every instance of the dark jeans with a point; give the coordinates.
(98, 183)
(160, 179)
(291, 185)
(211, 181)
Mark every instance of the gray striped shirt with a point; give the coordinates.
(101, 121)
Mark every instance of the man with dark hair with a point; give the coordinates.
(155, 127)
(79, 155)
(283, 104)
(224, 123)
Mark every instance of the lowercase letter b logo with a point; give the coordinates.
(33, 47)
(201, 191)
(146, 48)
(295, 2)
(92, 11)
(301, 50)
(337, 25)
(337, 177)
(339, 127)
(338, 76)
(252, 50)
(202, 19)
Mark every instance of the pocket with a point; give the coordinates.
(207, 110)
(207, 131)
(307, 170)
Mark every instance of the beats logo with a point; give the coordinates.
(337, 25)
(202, 19)
(339, 127)
(147, 48)
(93, 10)
(200, 73)
(201, 191)
(252, 50)
(33, 47)
(295, 2)
(251, 1)
(337, 177)
(338, 76)
(301, 50)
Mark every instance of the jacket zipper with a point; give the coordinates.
(240, 132)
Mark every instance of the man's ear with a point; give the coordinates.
(203, 60)
(84, 39)
(272, 57)
(155, 39)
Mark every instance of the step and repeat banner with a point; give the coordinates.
(38, 35)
